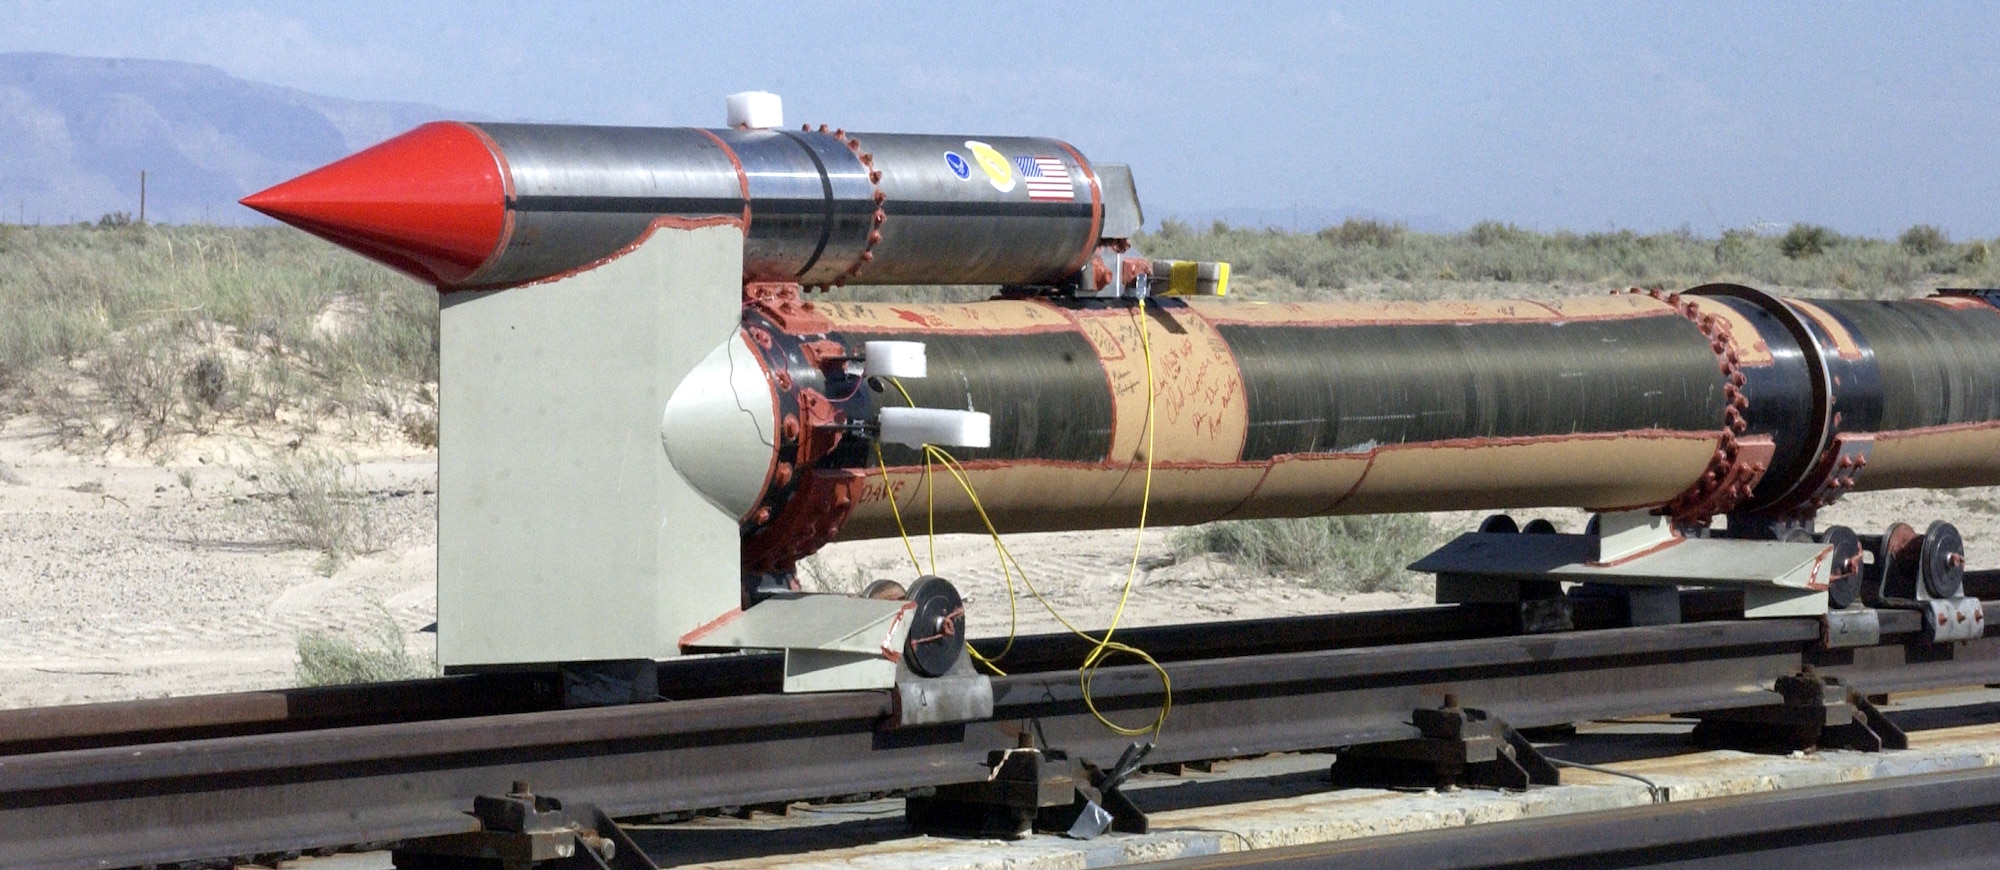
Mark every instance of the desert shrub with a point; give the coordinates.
(318, 504)
(1339, 554)
(1807, 240)
(421, 428)
(1924, 240)
(328, 658)
(1354, 231)
(1487, 233)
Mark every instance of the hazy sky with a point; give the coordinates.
(1866, 117)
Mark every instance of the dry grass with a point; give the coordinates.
(122, 334)
(379, 656)
(1338, 554)
(1391, 260)
(317, 503)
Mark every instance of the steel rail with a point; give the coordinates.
(159, 720)
(245, 795)
(1908, 822)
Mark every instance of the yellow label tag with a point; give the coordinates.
(996, 167)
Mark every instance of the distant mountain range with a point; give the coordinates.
(75, 132)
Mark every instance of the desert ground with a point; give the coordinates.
(174, 571)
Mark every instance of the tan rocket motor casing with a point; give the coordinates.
(1723, 399)
(1201, 425)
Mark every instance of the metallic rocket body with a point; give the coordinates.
(1721, 400)
(492, 205)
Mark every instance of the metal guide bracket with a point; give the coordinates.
(1779, 578)
(1853, 627)
(1460, 746)
(1031, 789)
(1816, 713)
(522, 830)
(960, 695)
(831, 642)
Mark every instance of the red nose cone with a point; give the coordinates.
(431, 202)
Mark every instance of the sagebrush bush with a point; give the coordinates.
(1924, 240)
(328, 658)
(1340, 554)
(1807, 240)
(318, 504)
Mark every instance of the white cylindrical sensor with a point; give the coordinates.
(755, 110)
(893, 359)
(943, 427)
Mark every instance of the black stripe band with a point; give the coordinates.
(658, 205)
(826, 204)
(629, 204)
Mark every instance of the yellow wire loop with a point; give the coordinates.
(1102, 648)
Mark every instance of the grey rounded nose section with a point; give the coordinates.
(720, 426)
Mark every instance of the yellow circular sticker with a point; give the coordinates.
(997, 169)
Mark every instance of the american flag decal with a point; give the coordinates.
(1046, 178)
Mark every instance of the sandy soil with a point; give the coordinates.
(117, 581)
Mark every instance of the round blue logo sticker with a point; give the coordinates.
(957, 164)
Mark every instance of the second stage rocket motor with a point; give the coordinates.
(1720, 400)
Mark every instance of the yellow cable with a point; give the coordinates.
(889, 492)
(1013, 606)
(1102, 647)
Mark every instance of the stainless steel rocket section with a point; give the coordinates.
(820, 207)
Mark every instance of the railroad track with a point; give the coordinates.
(159, 782)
